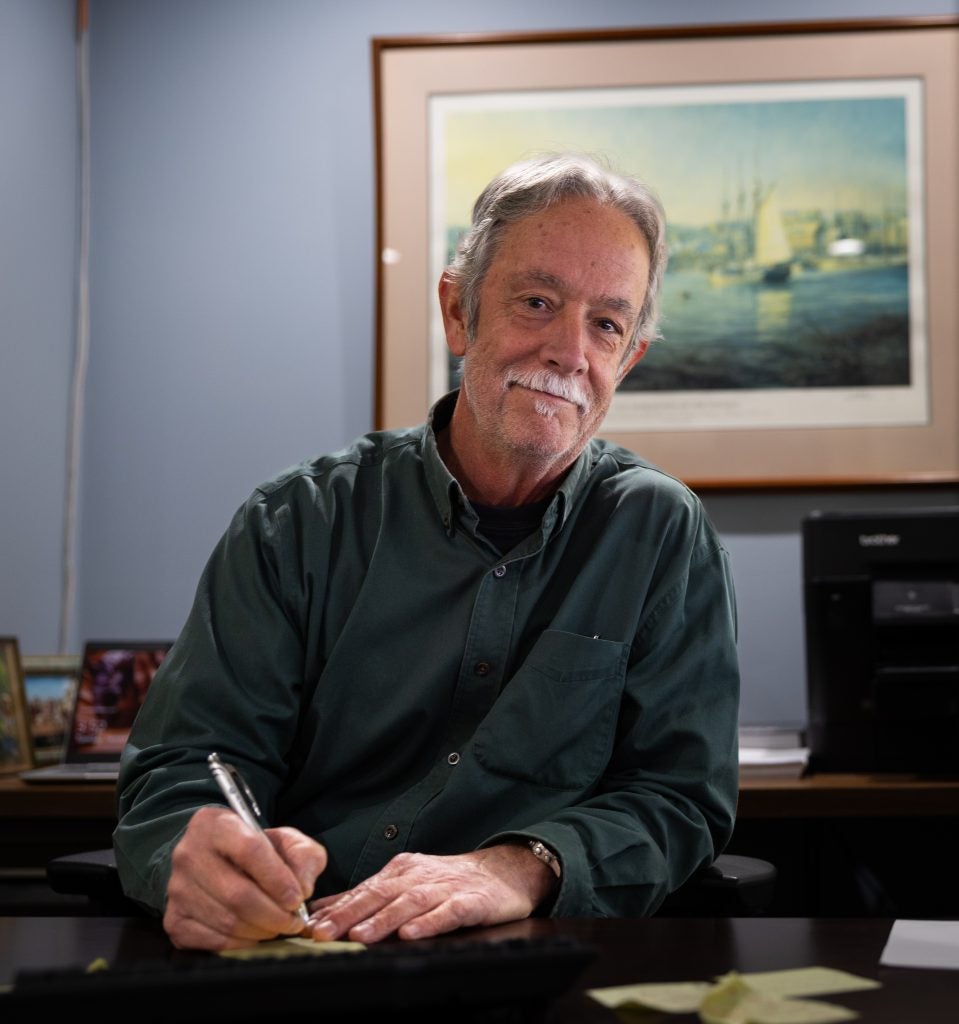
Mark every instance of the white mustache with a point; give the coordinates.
(551, 384)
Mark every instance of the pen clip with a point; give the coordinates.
(216, 764)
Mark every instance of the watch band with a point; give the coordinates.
(546, 855)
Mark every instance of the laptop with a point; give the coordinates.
(113, 681)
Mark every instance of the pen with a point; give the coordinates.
(242, 800)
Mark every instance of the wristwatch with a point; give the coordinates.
(546, 855)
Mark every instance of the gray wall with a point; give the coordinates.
(38, 234)
(232, 293)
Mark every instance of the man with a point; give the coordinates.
(474, 670)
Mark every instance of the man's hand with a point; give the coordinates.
(417, 895)
(231, 887)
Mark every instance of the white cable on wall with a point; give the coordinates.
(81, 333)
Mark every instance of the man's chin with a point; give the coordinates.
(545, 438)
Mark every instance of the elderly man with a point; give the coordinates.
(473, 670)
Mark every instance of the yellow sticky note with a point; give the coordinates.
(294, 946)
(808, 981)
(763, 997)
(734, 1001)
(679, 997)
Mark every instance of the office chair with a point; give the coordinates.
(732, 886)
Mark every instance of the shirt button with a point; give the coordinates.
(453, 758)
(481, 668)
(499, 572)
(390, 832)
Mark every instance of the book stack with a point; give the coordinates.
(772, 750)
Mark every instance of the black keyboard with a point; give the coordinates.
(512, 980)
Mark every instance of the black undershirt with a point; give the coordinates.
(506, 527)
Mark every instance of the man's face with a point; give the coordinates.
(556, 312)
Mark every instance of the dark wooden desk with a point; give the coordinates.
(630, 951)
(849, 844)
(828, 795)
(44, 821)
(844, 844)
(848, 795)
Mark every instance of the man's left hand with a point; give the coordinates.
(418, 895)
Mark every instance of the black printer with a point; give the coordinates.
(881, 605)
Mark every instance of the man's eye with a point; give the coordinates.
(535, 302)
(608, 325)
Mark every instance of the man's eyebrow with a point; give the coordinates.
(614, 302)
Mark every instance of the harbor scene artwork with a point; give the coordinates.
(795, 292)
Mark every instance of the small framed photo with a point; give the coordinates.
(16, 748)
(50, 683)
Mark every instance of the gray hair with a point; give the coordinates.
(530, 186)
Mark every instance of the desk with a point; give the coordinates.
(45, 821)
(848, 795)
(854, 844)
(817, 796)
(630, 951)
(821, 832)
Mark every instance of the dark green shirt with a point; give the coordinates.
(386, 680)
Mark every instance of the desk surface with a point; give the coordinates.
(630, 951)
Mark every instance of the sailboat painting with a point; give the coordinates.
(794, 294)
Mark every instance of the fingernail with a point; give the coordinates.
(325, 928)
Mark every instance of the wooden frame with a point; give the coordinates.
(16, 749)
(901, 431)
(50, 682)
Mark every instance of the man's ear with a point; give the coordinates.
(454, 321)
(633, 359)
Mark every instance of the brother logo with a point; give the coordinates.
(878, 540)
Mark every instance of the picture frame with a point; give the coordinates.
(50, 682)
(503, 97)
(16, 751)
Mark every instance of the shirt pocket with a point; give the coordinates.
(555, 721)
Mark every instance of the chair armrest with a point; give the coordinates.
(732, 886)
(92, 873)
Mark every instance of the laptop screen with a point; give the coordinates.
(113, 681)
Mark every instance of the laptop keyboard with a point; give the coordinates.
(106, 770)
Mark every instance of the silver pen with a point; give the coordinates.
(240, 797)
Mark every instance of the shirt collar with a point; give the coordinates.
(449, 497)
(446, 492)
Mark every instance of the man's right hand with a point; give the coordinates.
(232, 887)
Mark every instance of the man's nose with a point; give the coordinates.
(565, 344)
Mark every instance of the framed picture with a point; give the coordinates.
(16, 752)
(808, 172)
(50, 683)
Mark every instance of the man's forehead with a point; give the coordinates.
(578, 228)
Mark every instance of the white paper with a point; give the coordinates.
(922, 944)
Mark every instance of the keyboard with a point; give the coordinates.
(511, 981)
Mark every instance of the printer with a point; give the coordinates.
(881, 608)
